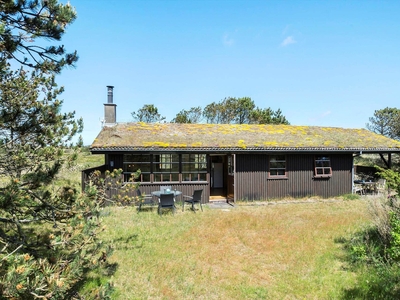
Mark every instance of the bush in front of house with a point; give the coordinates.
(374, 253)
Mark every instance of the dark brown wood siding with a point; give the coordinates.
(251, 177)
(252, 182)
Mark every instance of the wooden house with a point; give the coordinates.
(238, 162)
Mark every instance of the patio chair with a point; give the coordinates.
(166, 201)
(195, 198)
(380, 186)
(144, 200)
(358, 188)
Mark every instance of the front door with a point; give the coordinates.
(230, 182)
(218, 177)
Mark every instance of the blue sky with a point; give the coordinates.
(323, 63)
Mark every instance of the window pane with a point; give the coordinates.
(230, 165)
(185, 167)
(145, 177)
(166, 167)
(193, 165)
(144, 168)
(162, 177)
(277, 165)
(281, 172)
(185, 158)
(157, 177)
(277, 158)
(135, 162)
(165, 161)
(137, 158)
(320, 163)
(323, 165)
(175, 177)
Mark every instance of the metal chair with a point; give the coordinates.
(166, 201)
(195, 198)
(144, 200)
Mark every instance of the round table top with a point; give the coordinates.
(158, 193)
(364, 182)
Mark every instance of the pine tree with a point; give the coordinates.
(24, 23)
(48, 232)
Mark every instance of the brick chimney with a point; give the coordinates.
(110, 109)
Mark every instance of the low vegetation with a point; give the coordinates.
(347, 248)
(374, 252)
(291, 251)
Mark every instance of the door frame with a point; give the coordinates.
(227, 192)
(219, 192)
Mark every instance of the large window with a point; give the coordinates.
(323, 166)
(194, 167)
(277, 166)
(134, 162)
(166, 167)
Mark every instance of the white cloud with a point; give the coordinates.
(289, 40)
(320, 116)
(327, 113)
(227, 40)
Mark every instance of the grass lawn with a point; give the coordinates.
(72, 175)
(283, 251)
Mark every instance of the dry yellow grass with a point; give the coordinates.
(283, 251)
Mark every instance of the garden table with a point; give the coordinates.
(369, 187)
(158, 193)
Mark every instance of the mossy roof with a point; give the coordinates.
(235, 137)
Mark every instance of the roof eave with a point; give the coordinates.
(358, 150)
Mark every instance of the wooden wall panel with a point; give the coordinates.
(253, 182)
(251, 177)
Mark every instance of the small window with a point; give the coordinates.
(323, 166)
(277, 166)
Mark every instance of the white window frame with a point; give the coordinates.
(322, 166)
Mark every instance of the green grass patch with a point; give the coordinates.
(72, 175)
(351, 197)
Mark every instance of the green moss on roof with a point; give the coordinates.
(181, 136)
